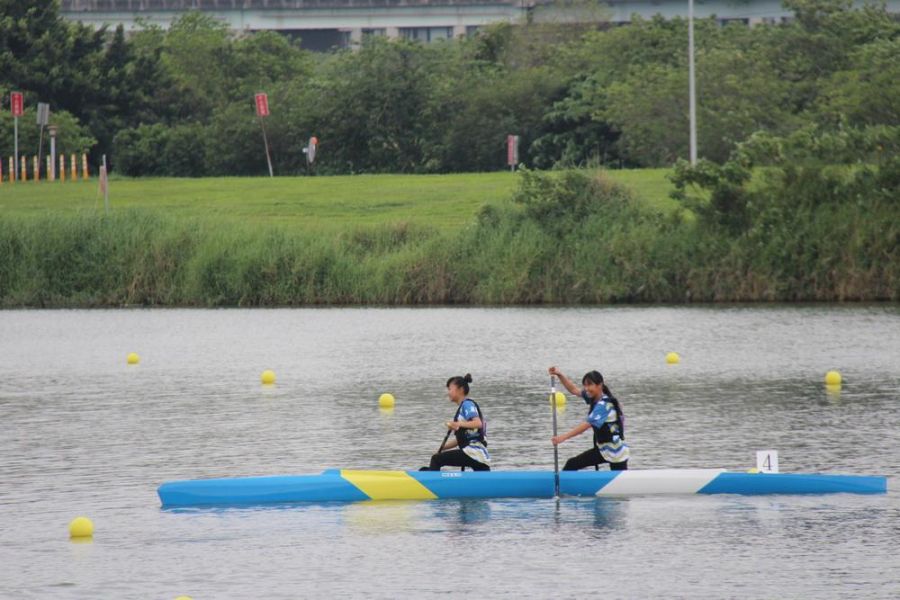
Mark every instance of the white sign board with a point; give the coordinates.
(43, 113)
(767, 461)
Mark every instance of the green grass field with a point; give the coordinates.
(339, 202)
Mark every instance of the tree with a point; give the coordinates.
(868, 91)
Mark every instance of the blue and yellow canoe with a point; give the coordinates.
(352, 486)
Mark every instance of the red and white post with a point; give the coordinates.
(262, 111)
(512, 151)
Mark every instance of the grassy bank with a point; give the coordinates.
(333, 203)
(575, 238)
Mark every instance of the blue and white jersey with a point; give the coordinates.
(613, 450)
(471, 442)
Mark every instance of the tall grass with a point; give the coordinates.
(571, 238)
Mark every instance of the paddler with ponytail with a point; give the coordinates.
(604, 417)
(468, 446)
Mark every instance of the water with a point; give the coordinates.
(85, 434)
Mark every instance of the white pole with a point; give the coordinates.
(266, 142)
(692, 84)
(16, 143)
(105, 185)
(52, 153)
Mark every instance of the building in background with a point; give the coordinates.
(325, 24)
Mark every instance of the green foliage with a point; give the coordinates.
(865, 93)
(578, 93)
(819, 222)
(727, 202)
(568, 237)
(140, 151)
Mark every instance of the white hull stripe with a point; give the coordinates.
(659, 481)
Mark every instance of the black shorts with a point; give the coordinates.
(592, 458)
(454, 458)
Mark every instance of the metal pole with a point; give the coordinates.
(16, 146)
(692, 84)
(266, 142)
(106, 185)
(52, 173)
(41, 151)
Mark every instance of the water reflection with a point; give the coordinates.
(382, 517)
(461, 512)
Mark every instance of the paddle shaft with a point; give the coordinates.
(446, 437)
(555, 448)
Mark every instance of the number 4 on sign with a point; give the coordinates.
(767, 461)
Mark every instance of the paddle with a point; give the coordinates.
(446, 437)
(555, 448)
(441, 447)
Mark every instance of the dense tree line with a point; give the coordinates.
(180, 101)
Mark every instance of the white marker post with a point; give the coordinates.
(52, 172)
(262, 111)
(767, 461)
(43, 119)
(104, 184)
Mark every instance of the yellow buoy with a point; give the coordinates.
(558, 399)
(81, 527)
(386, 401)
(832, 378)
(753, 470)
(184, 598)
(133, 358)
(672, 358)
(267, 377)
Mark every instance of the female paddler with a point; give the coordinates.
(468, 429)
(604, 417)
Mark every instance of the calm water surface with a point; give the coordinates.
(85, 434)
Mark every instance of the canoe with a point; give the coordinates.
(336, 485)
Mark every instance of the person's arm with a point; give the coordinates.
(474, 423)
(468, 417)
(567, 383)
(577, 430)
(451, 443)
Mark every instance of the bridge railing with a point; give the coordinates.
(225, 5)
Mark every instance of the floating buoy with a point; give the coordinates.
(753, 470)
(267, 377)
(672, 358)
(386, 401)
(184, 598)
(558, 399)
(81, 527)
(133, 358)
(832, 378)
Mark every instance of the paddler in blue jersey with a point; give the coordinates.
(604, 417)
(468, 446)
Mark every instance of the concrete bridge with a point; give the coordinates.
(323, 24)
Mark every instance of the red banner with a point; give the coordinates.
(17, 104)
(262, 105)
(512, 150)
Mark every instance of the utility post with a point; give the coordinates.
(692, 88)
(52, 129)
